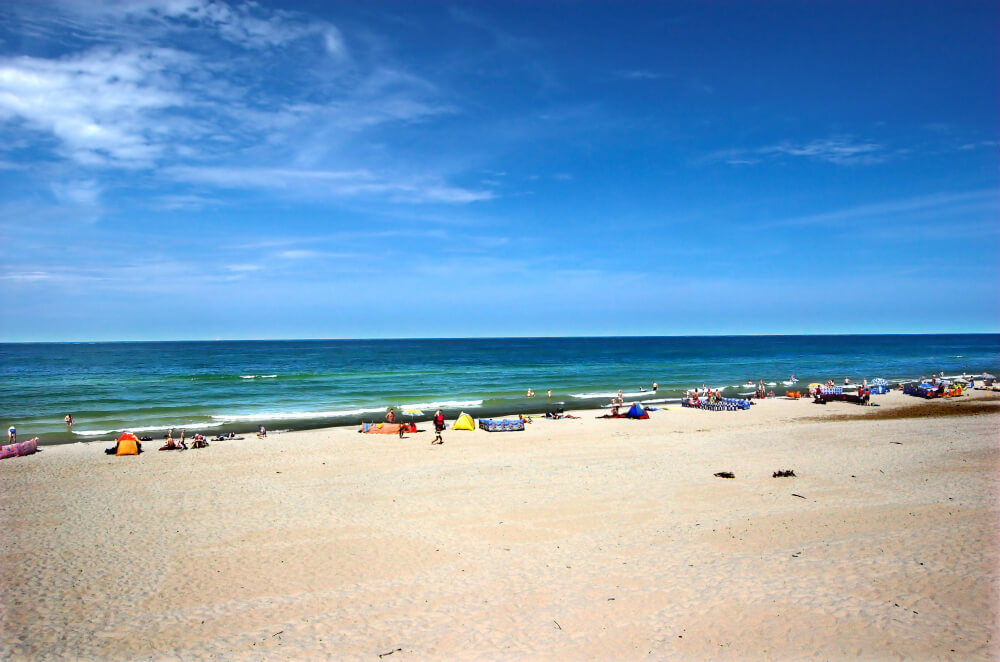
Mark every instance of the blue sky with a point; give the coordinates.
(174, 169)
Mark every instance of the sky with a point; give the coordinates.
(199, 169)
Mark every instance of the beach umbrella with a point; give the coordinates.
(412, 412)
(985, 375)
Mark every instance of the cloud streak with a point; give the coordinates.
(938, 203)
(329, 183)
(836, 151)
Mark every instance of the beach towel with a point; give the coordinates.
(388, 428)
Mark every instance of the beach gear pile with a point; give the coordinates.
(720, 404)
(879, 386)
(942, 390)
(501, 425)
(636, 411)
(18, 449)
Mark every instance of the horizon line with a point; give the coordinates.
(572, 337)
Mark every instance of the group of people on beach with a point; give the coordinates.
(197, 441)
(437, 420)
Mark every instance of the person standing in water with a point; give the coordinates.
(69, 420)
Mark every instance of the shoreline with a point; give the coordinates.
(578, 538)
(316, 421)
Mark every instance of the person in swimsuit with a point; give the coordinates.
(12, 435)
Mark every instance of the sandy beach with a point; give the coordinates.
(575, 539)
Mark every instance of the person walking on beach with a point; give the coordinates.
(438, 427)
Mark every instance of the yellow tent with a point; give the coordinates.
(464, 422)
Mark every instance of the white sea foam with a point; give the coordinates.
(451, 404)
(257, 376)
(291, 415)
(147, 428)
(637, 394)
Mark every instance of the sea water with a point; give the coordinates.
(222, 386)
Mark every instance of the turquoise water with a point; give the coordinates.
(211, 387)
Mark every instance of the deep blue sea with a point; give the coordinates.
(223, 386)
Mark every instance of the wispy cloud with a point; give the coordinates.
(140, 101)
(102, 105)
(329, 183)
(248, 25)
(841, 151)
(937, 203)
(838, 151)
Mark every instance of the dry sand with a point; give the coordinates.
(576, 539)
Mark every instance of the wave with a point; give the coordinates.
(257, 376)
(444, 404)
(591, 396)
(146, 428)
(292, 415)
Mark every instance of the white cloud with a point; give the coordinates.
(82, 193)
(838, 151)
(187, 111)
(26, 276)
(245, 24)
(328, 183)
(100, 105)
(841, 151)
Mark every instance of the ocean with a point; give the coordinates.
(221, 386)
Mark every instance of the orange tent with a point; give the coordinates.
(128, 444)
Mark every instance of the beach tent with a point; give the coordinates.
(636, 412)
(464, 422)
(128, 444)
